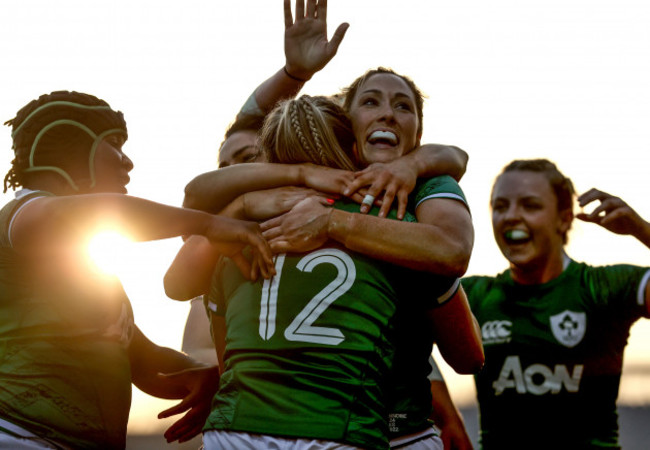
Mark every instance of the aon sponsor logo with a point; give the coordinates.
(537, 379)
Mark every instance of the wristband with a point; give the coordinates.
(286, 72)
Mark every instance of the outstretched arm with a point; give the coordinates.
(213, 191)
(306, 48)
(53, 224)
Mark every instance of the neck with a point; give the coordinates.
(540, 273)
(51, 183)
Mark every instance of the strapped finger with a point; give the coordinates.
(288, 18)
(371, 194)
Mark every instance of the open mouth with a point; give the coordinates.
(383, 137)
(516, 236)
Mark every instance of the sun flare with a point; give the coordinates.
(107, 251)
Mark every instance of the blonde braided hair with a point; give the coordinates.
(309, 130)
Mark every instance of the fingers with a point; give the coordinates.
(269, 224)
(300, 10)
(357, 183)
(591, 195)
(266, 264)
(288, 18)
(373, 192)
(402, 203)
(321, 10)
(311, 8)
(337, 38)
(272, 233)
(280, 246)
(176, 409)
(183, 430)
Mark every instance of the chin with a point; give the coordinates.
(381, 156)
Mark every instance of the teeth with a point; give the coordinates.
(387, 135)
(517, 235)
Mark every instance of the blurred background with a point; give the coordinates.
(566, 80)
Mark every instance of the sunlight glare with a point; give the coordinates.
(107, 250)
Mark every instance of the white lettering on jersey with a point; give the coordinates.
(537, 379)
(496, 332)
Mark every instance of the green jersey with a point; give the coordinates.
(409, 395)
(64, 331)
(308, 350)
(553, 355)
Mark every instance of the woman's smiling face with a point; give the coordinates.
(527, 225)
(384, 118)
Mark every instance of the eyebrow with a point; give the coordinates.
(377, 91)
(240, 150)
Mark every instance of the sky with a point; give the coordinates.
(562, 79)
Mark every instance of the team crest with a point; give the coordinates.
(569, 327)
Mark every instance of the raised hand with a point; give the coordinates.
(306, 47)
(614, 215)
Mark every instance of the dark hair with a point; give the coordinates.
(561, 185)
(63, 126)
(350, 91)
(244, 122)
(309, 129)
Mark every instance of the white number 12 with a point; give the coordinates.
(301, 328)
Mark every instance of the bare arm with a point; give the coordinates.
(148, 360)
(213, 191)
(458, 335)
(444, 413)
(441, 243)
(306, 48)
(448, 419)
(190, 272)
(197, 341)
(54, 222)
(166, 373)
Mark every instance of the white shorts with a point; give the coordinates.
(423, 440)
(228, 440)
(25, 443)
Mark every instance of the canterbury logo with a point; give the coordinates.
(496, 331)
